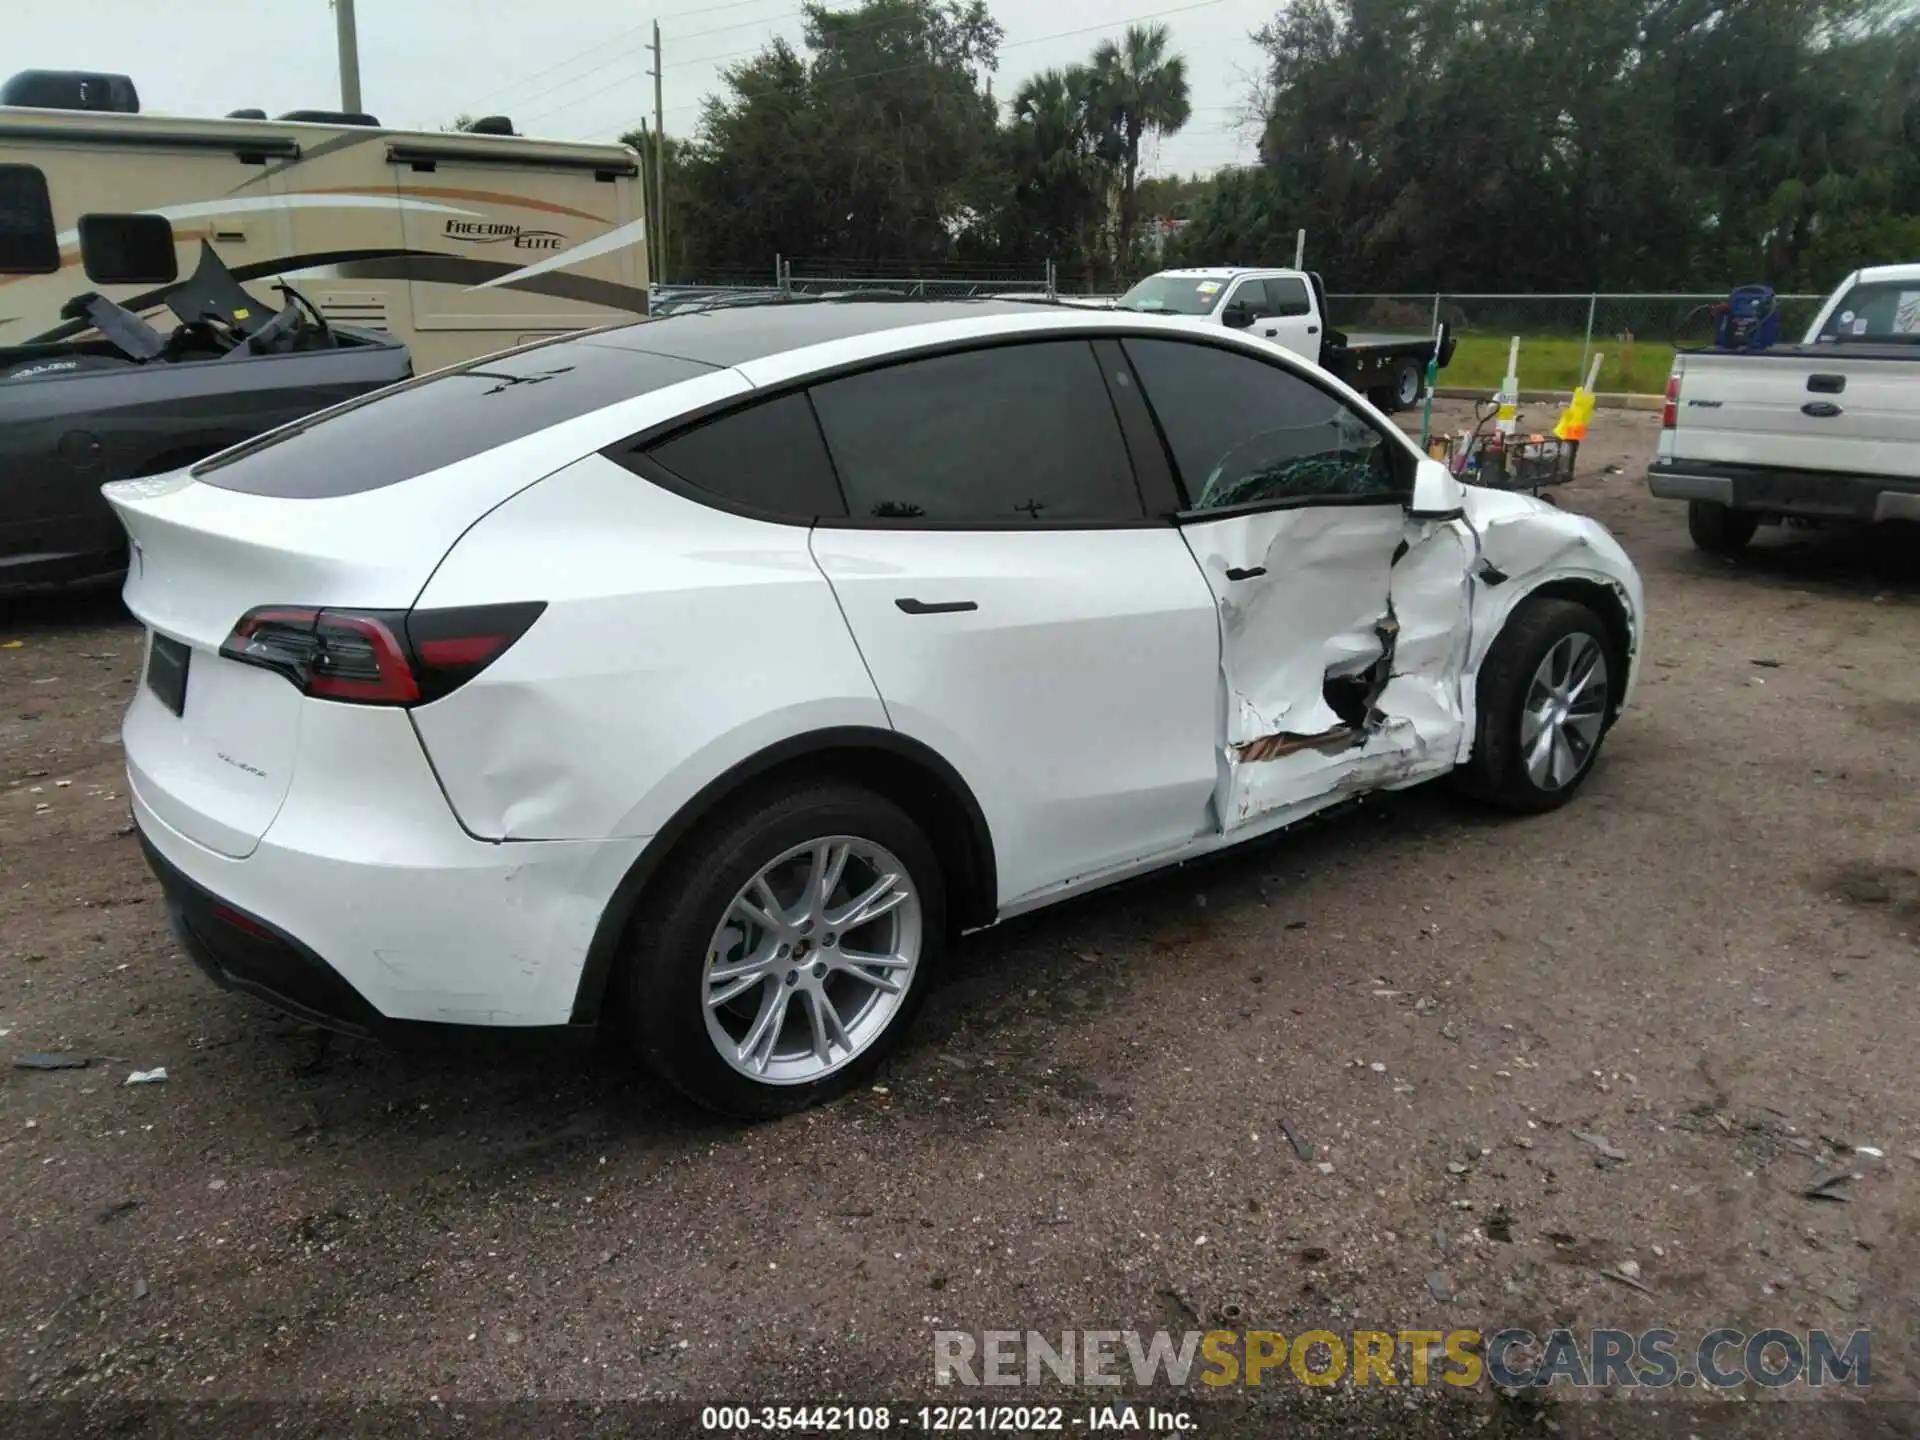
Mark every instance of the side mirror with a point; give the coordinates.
(1437, 494)
(1237, 316)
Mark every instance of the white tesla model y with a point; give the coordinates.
(711, 673)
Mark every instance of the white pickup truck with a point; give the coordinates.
(1823, 432)
(1289, 307)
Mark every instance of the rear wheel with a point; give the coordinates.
(1545, 697)
(1407, 380)
(1719, 529)
(789, 951)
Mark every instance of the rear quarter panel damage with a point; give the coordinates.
(678, 640)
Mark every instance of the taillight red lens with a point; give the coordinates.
(1670, 416)
(452, 646)
(372, 657)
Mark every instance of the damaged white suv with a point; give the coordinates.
(712, 672)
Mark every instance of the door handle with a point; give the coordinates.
(1269, 332)
(1826, 384)
(1255, 573)
(1313, 329)
(940, 607)
(1821, 409)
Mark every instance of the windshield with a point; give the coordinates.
(1877, 312)
(1174, 295)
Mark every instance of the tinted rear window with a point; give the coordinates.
(768, 457)
(442, 418)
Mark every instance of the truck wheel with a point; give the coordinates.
(1718, 529)
(1408, 377)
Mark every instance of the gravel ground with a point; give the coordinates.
(1523, 1053)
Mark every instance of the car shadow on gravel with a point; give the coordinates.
(1837, 561)
(79, 608)
(994, 1030)
(999, 1033)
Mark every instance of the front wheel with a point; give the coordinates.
(1545, 699)
(790, 949)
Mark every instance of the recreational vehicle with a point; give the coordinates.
(456, 243)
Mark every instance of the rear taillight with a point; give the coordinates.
(378, 657)
(1670, 416)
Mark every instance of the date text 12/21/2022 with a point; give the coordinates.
(944, 1419)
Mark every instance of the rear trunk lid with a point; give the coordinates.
(218, 769)
(1851, 409)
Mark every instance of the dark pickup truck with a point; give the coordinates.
(108, 397)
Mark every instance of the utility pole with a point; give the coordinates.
(349, 56)
(649, 150)
(659, 226)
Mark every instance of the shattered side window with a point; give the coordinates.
(1244, 432)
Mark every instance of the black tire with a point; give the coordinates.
(666, 964)
(1497, 771)
(1718, 529)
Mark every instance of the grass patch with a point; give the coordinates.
(1553, 363)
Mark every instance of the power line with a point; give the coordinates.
(745, 24)
(558, 65)
(1010, 45)
(599, 48)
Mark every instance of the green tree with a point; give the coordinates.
(1576, 144)
(877, 145)
(1057, 175)
(1139, 89)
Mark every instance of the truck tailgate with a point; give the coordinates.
(1823, 409)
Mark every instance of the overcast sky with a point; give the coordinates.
(572, 69)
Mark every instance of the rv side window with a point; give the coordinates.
(128, 249)
(28, 243)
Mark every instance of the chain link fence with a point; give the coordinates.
(1634, 334)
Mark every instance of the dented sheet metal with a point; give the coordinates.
(1313, 598)
(1526, 543)
(1313, 611)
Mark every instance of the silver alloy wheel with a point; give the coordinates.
(1565, 710)
(1409, 389)
(811, 960)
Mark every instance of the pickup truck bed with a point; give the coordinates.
(1391, 369)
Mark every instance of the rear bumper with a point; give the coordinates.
(243, 952)
(1806, 494)
(361, 911)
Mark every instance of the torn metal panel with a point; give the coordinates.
(1343, 633)
(1432, 597)
(1275, 747)
(1300, 594)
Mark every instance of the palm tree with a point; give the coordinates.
(1057, 171)
(1139, 90)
